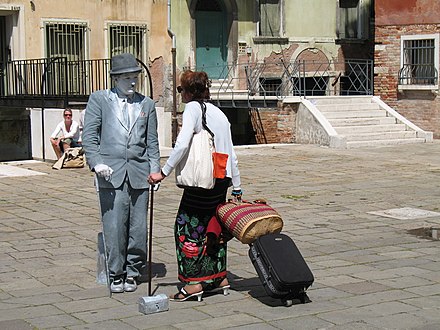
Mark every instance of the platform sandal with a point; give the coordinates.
(186, 295)
(224, 288)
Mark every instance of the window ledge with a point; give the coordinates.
(270, 40)
(414, 88)
(350, 41)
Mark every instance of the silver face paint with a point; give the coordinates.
(125, 83)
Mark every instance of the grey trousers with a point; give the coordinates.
(124, 216)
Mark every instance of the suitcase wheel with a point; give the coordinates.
(301, 296)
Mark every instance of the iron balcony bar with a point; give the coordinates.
(57, 81)
(418, 74)
(243, 85)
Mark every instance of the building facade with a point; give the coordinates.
(255, 51)
(81, 35)
(407, 59)
(274, 48)
(212, 33)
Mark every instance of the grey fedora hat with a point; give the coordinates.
(124, 63)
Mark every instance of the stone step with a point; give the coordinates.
(355, 114)
(338, 122)
(363, 122)
(348, 107)
(340, 100)
(217, 83)
(229, 92)
(399, 135)
(378, 143)
(344, 130)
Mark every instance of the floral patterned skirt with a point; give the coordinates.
(196, 263)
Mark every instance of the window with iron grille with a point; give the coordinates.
(65, 45)
(66, 39)
(270, 18)
(127, 39)
(269, 86)
(130, 38)
(419, 60)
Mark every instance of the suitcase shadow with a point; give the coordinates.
(256, 290)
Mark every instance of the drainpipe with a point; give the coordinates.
(173, 53)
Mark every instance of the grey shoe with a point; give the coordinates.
(130, 284)
(117, 286)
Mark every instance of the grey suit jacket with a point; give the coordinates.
(130, 150)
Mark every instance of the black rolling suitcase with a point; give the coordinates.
(281, 268)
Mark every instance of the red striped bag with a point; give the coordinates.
(248, 221)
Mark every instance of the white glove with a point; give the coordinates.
(103, 171)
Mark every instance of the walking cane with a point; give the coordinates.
(107, 272)
(150, 240)
(158, 303)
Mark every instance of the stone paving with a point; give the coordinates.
(370, 273)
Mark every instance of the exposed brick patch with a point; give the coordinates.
(270, 125)
(285, 54)
(312, 54)
(278, 123)
(157, 71)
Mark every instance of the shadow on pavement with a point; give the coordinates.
(256, 290)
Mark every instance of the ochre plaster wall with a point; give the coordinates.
(96, 14)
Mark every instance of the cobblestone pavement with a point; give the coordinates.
(370, 271)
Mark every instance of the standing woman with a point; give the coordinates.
(200, 267)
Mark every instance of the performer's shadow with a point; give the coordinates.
(157, 270)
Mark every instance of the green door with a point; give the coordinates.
(211, 43)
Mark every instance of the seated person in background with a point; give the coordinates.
(69, 130)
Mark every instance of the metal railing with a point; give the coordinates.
(418, 74)
(74, 80)
(59, 78)
(311, 78)
(298, 78)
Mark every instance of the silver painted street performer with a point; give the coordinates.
(121, 146)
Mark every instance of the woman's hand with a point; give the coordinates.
(236, 194)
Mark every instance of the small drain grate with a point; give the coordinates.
(426, 232)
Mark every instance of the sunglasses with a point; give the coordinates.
(67, 115)
(179, 89)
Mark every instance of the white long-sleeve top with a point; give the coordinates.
(61, 128)
(218, 123)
